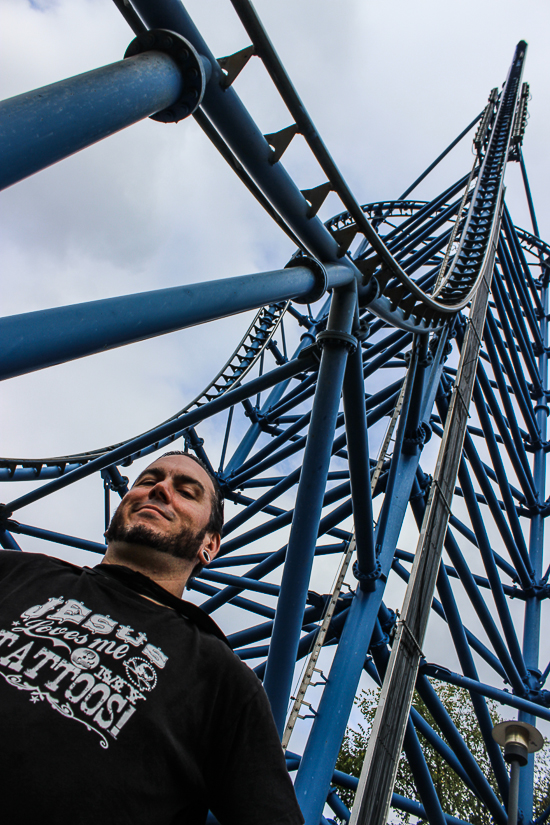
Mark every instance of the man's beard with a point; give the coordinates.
(183, 546)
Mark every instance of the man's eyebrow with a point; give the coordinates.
(155, 471)
(179, 478)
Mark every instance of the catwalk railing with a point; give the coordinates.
(383, 323)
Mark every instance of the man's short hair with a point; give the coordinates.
(215, 524)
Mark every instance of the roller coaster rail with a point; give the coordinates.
(432, 315)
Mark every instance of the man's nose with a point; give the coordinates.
(160, 490)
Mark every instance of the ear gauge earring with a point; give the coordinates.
(206, 557)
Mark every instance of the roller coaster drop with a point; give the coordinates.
(425, 283)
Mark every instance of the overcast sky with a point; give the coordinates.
(389, 85)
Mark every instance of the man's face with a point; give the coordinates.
(168, 508)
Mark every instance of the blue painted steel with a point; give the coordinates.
(328, 728)
(33, 473)
(7, 541)
(515, 344)
(359, 463)
(508, 308)
(492, 575)
(42, 127)
(41, 339)
(521, 268)
(59, 538)
(532, 621)
(504, 697)
(462, 648)
(476, 645)
(507, 403)
(400, 802)
(478, 603)
(309, 498)
(455, 740)
(336, 804)
(512, 364)
(440, 746)
(468, 666)
(247, 443)
(525, 477)
(422, 777)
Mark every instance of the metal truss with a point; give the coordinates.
(423, 336)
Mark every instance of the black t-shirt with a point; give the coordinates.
(118, 710)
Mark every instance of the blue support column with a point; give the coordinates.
(531, 629)
(455, 740)
(464, 654)
(309, 500)
(329, 726)
(359, 463)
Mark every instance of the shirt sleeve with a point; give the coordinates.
(252, 786)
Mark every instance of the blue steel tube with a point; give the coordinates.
(43, 126)
(507, 406)
(309, 502)
(359, 463)
(336, 702)
(35, 340)
(503, 697)
(468, 665)
(422, 777)
(531, 628)
(465, 656)
(504, 364)
(7, 541)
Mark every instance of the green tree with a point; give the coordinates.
(455, 797)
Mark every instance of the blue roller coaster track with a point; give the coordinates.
(420, 322)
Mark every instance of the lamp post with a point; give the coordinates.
(518, 739)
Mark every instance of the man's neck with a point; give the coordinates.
(167, 571)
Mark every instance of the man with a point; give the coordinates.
(121, 703)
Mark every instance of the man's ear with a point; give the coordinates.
(211, 544)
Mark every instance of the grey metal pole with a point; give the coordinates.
(514, 793)
(518, 739)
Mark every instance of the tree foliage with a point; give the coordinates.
(455, 797)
